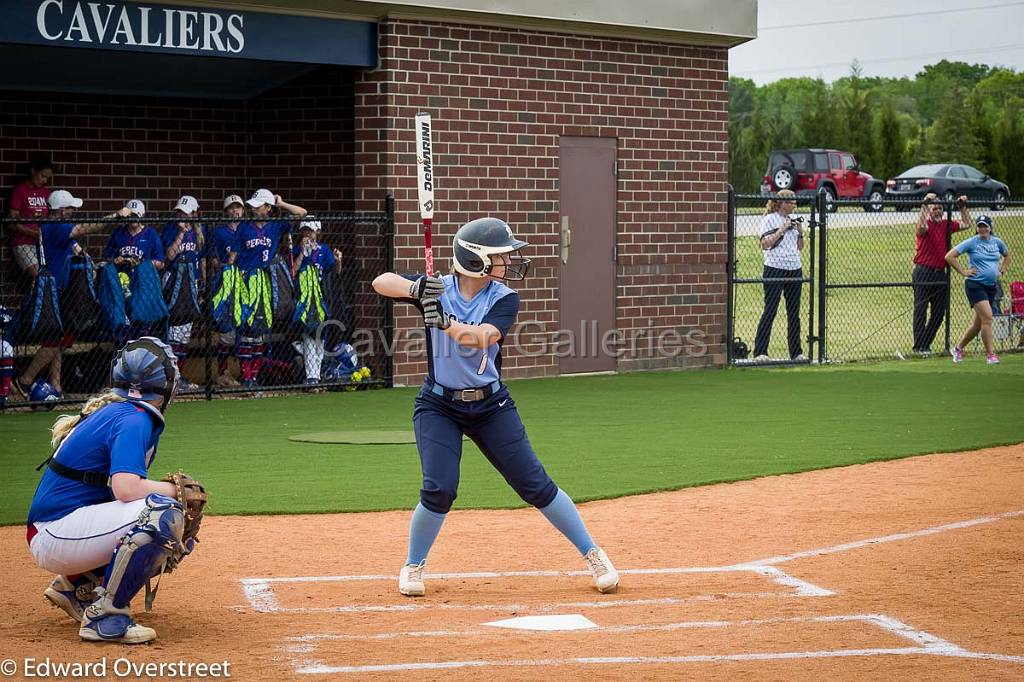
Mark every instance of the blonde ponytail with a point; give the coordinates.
(62, 427)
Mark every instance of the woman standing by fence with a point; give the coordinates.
(782, 239)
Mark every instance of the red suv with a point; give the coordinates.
(805, 171)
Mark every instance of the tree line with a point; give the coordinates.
(950, 112)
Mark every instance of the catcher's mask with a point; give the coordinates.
(145, 369)
(479, 239)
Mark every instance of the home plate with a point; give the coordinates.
(548, 623)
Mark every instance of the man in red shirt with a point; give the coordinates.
(929, 277)
(28, 200)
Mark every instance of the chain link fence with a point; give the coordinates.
(248, 309)
(860, 284)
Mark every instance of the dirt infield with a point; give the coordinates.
(908, 569)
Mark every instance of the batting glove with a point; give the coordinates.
(434, 315)
(426, 287)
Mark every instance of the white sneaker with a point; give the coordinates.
(410, 580)
(762, 358)
(800, 358)
(115, 628)
(606, 578)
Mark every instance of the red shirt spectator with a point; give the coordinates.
(931, 245)
(29, 201)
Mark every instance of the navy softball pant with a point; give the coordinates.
(494, 425)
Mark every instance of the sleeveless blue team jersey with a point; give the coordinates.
(456, 366)
(119, 437)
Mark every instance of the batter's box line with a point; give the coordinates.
(925, 644)
(262, 599)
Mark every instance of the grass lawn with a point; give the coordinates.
(862, 323)
(600, 436)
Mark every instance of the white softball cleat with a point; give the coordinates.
(410, 580)
(606, 578)
(115, 628)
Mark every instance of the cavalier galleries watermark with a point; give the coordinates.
(531, 339)
(106, 668)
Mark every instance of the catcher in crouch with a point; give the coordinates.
(96, 520)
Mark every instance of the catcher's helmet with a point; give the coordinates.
(145, 369)
(43, 392)
(479, 239)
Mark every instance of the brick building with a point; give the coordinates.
(602, 140)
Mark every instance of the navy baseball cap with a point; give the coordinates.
(984, 220)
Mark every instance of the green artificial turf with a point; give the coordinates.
(599, 436)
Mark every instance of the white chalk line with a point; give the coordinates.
(537, 608)
(897, 628)
(881, 540)
(927, 644)
(260, 594)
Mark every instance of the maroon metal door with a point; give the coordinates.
(586, 307)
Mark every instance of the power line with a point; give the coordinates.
(884, 60)
(927, 13)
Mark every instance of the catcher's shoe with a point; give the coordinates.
(606, 578)
(115, 628)
(410, 580)
(72, 597)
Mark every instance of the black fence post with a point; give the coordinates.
(389, 304)
(948, 294)
(812, 338)
(822, 208)
(208, 316)
(730, 275)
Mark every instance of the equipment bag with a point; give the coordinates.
(78, 301)
(146, 305)
(257, 307)
(310, 311)
(282, 292)
(181, 291)
(40, 312)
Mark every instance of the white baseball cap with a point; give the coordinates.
(63, 199)
(311, 225)
(233, 199)
(187, 204)
(261, 197)
(137, 207)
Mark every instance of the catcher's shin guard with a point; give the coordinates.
(141, 554)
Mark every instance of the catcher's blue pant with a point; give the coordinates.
(494, 425)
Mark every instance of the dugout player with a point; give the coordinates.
(95, 513)
(467, 315)
(183, 244)
(258, 241)
(224, 250)
(309, 251)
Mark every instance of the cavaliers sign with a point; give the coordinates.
(135, 25)
(151, 27)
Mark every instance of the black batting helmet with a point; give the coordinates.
(479, 239)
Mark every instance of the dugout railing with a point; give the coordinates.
(858, 290)
(68, 338)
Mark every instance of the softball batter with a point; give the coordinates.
(467, 315)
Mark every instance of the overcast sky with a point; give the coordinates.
(821, 37)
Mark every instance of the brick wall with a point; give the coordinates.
(510, 93)
(296, 140)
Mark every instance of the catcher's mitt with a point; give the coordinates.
(192, 496)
